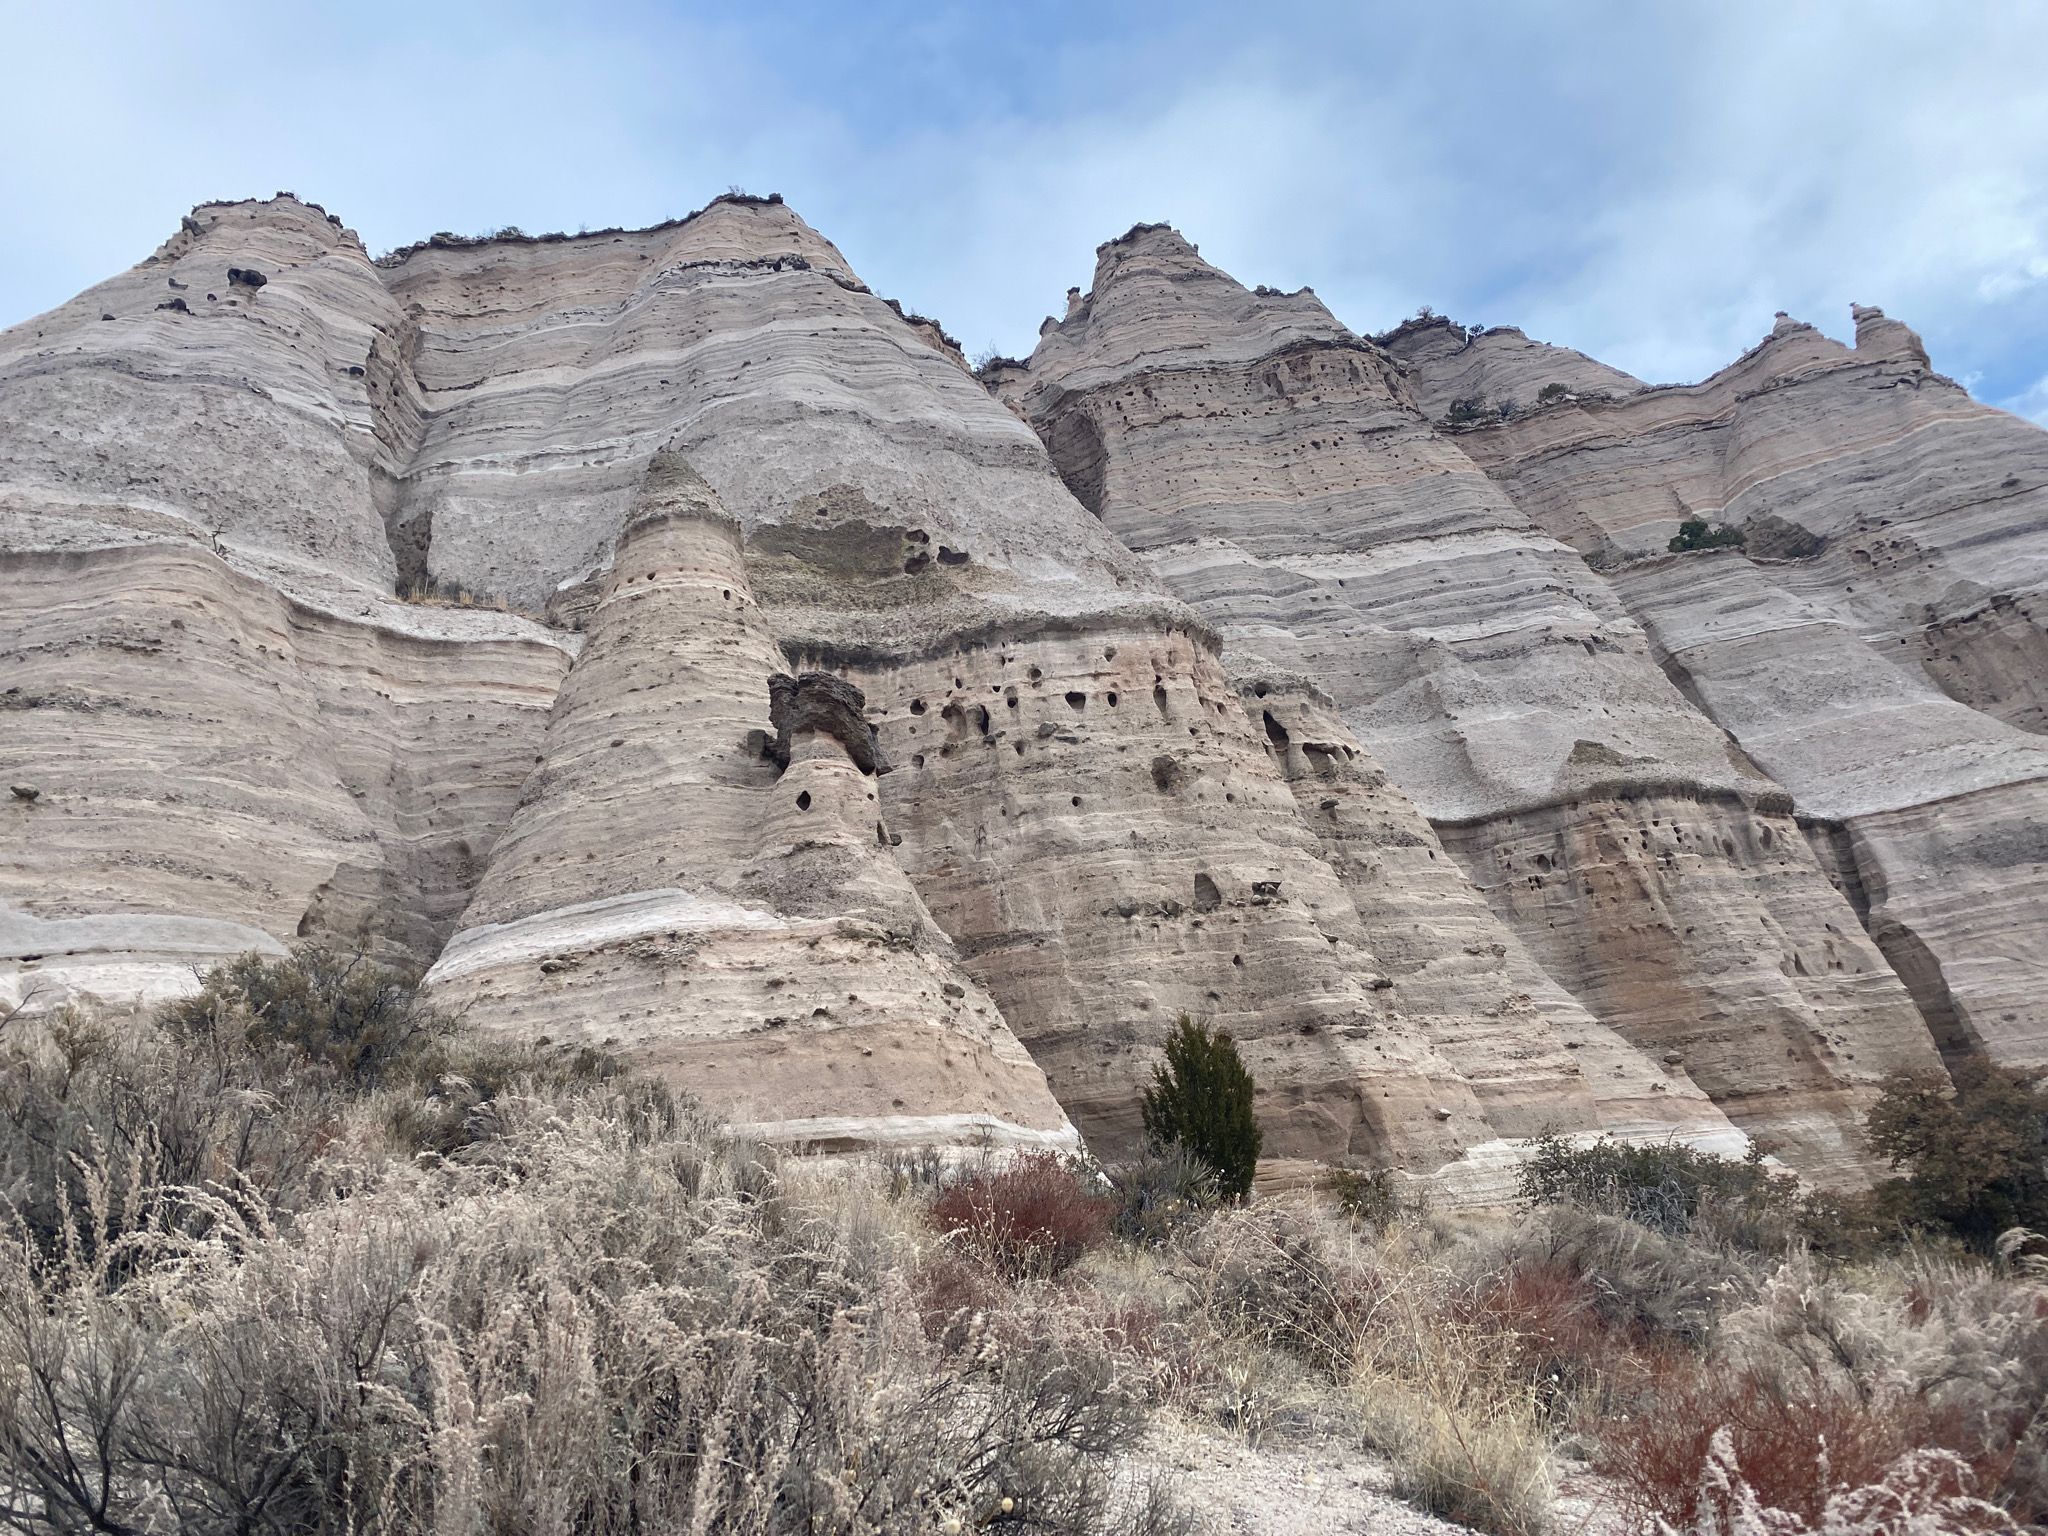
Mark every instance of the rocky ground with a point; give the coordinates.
(1325, 1485)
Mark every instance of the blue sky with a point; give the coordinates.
(1648, 182)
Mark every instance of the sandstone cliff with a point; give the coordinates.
(1282, 475)
(772, 704)
(1876, 643)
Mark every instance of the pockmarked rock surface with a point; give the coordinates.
(1287, 479)
(719, 904)
(664, 642)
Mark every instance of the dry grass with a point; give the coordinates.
(597, 1312)
(306, 1260)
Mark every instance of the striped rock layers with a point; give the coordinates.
(771, 705)
(1278, 473)
(708, 537)
(723, 906)
(1876, 643)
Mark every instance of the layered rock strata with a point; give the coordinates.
(651, 833)
(1494, 368)
(778, 712)
(1875, 642)
(1280, 474)
(721, 906)
(216, 767)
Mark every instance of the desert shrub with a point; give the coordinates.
(340, 1009)
(1547, 1322)
(1665, 1186)
(1287, 1276)
(1378, 1197)
(1446, 1391)
(1642, 1283)
(260, 1088)
(1468, 408)
(1923, 1493)
(1203, 1098)
(1464, 1449)
(912, 1170)
(1974, 1151)
(1035, 1217)
(461, 1088)
(1797, 1445)
(1160, 1192)
(1826, 1379)
(1964, 1343)
(1551, 392)
(111, 1118)
(1693, 533)
(586, 1329)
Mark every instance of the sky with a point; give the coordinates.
(1647, 182)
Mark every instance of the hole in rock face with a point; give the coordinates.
(803, 801)
(952, 556)
(917, 706)
(881, 834)
(1167, 773)
(1208, 898)
(1543, 861)
(1037, 673)
(1077, 800)
(917, 761)
(1077, 700)
(1159, 701)
(916, 563)
(1275, 731)
(1110, 698)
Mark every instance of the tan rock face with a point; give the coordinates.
(1279, 474)
(1492, 368)
(1536, 1059)
(729, 914)
(840, 759)
(1876, 642)
(222, 768)
(1094, 820)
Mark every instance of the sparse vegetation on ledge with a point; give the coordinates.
(1694, 533)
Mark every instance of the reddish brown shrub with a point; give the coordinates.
(951, 1291)
(1794, 1447)
(1547, 1319)
(1034, 1217)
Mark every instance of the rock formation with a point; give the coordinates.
(663, 641)
(1279, 473)
(728, 914)
(1876, 642)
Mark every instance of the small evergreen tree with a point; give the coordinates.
(1201, 1097)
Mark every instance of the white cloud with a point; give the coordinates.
(1646, 183)
(2032, 403)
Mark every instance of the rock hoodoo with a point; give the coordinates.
(665, 642)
